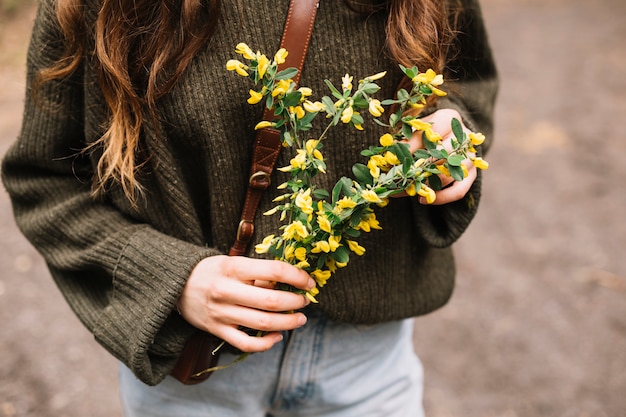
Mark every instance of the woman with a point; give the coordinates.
(130, 172)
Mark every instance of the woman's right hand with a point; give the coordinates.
(226, 292)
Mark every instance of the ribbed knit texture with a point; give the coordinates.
(122, 269)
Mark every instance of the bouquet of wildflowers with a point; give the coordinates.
(321, 229)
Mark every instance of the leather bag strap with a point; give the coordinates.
(201, 350)
(296, 38)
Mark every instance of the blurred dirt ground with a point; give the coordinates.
(537, 326)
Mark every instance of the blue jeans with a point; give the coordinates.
(324, 369)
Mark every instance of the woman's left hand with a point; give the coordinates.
(451, 190)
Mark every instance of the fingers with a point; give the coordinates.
(257, 270)
(226, 293)
(457, 190)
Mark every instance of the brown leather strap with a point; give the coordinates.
(296, 38)
(201, 350)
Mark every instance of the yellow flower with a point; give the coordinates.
(465, 171)
(376, 76)
(311, 148)
(324, 223)
(429, 77)
(300, 254)
(263, 64)
(410, 190)
(345, 203)
(376, 109)
(263, 124)
(305, 91)
(356, 248)
(320, 276)
(238, 67)
(288, 252)
(432, 136)
(347, 114)
(298, 111)
(313, 106)
(391, 158)
(311, 294)
(419, 124)
(245, 51)
(480, 163)
(382, 203)
(346, 82)
(281, 88)
(295, 231)
(476, 138)
(333, 241)
(320, 246)
(304, 201)
(358, 126)
(255, 97)
(417, 106)
(428, 193)
(264, 246)
(299, 161)
(302, 265)
(386, 140)
(438, 92)
(442, 168)
(370, 196)
(371, 221)
(280, 56)
(373, 167)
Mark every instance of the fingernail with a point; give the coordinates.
(278, 338)
(301, 320)
(311, 284)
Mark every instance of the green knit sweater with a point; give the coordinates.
(122, 269)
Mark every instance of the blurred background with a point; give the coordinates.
(537, 325)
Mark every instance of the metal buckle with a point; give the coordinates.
(240, 230)
(260, 178)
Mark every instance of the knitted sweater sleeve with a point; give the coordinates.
(472, 84)
(120, 277)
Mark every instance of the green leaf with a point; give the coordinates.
(287, 73)
(339, 188)
(333, 90)
(435, 183)
(406, 165)
(357, 119)
(430, 146)
(360, 102)
(389, 102)
(342, 254)
(362, 174)
(438, 153)
(329, 105)
(403, 95)
(455, 160)
(308, 118)
(401, 150)
(370, 88)
(407, 131)
(292, 99)
(456, 172)
(380, 123)
(393, 119)
(457, 129)
(421, 154)
(320, 194)
(353, 233)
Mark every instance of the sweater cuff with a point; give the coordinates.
(140, 323)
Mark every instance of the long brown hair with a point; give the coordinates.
(142, 48)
